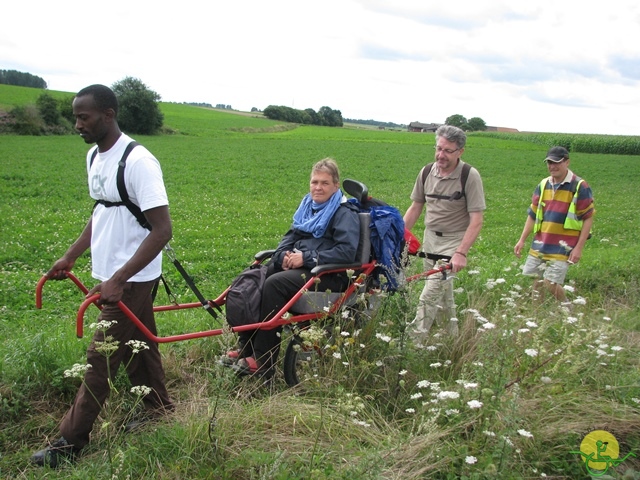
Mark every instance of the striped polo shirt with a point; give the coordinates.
(553, 241)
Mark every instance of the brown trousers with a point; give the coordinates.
(143, 368)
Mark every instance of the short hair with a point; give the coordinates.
(327, 165)
(102, 95)
(452, 134)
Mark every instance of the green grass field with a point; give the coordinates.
(234, 182)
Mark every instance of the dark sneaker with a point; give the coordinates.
(56, 454)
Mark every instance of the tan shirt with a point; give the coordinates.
(444, 215)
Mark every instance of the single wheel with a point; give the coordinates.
(303, 360)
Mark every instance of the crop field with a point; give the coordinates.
(234, 182)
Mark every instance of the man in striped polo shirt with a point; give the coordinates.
(560, 216)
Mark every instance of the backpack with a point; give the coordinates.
(122, 189)
(463, 182)
(245, 296)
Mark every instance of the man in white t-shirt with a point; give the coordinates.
(127, 260)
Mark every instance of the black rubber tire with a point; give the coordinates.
(300, 361)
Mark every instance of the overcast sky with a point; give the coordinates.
(540, 65)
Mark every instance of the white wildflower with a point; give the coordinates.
(345, 334)
(474, 404)
(141, 390)
(384, 338)
(616, 348)
(471, 460)
(410, 410)
(489, 433)
(337, 355)
(103, 325)
(524, 433)
(77, 371)
(446, 395)
(523, 330)
(402, 373)
(137, 345)
(416, 396)
(469, 385)
(435, 365)
(531, 324)
(531, 352)
(546, 380)
(451, 411)
(569, 288)
(423, 384)
(580, 301)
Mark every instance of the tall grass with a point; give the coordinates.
(383, 407)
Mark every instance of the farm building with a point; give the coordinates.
(422, 127)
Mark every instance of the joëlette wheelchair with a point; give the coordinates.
(305, 307)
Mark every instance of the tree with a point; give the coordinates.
(139, 112)
(457, 120)
(48, 108)
(476, 124)
(22, 79)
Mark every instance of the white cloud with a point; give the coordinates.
(543, 66)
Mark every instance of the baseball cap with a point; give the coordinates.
(557, 154)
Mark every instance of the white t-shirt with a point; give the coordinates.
(115, 232)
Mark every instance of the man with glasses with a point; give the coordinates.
(453, 219)
(560, 216)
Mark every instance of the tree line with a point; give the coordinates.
(138, 112)
(21, 79)
(325, 116)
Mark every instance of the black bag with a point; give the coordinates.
(245, 295)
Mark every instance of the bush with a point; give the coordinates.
(139, 112)
(27, 121)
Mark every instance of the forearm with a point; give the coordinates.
(576, 252)
(528, 228)
(412, 214)
(150, 247)
(81, 245)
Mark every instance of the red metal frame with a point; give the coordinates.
(281, 318)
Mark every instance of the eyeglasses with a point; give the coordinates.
(445, 150)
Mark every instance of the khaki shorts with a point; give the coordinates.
(552, 270)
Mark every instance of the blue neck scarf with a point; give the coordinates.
(314, 218)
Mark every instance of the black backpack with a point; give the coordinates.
(122, 189)
(455, 195)
(245, 296)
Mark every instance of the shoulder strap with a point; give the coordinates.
(122, 188)
(425, 172)
(464, 175)
(466, 168)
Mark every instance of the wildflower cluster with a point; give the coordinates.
(77, 371)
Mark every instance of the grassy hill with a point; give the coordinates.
(539, 378)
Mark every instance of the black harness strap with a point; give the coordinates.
(455, 195)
